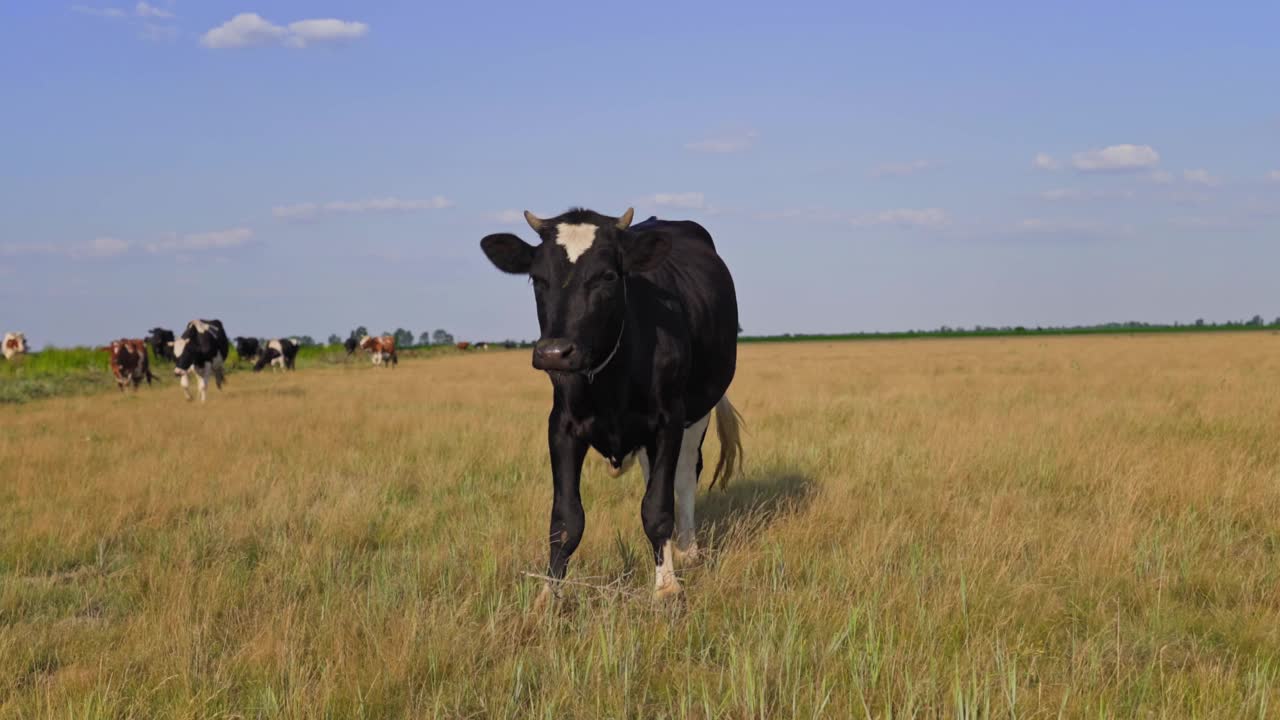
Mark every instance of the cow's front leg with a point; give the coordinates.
(202, 382)
(185, 381)
(657, 510)
(568, 520)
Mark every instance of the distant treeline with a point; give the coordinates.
(1112, 328)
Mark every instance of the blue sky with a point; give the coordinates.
(306, 167)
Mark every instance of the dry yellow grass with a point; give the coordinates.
(1006, 527)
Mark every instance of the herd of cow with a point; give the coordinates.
(202, 350)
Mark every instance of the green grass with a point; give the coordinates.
(59, 372)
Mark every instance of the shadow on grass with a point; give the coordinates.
(749, 506)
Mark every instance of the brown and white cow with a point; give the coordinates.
(15, 344)
(129, 362)
(383, 350)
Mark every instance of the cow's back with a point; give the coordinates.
(694, 275)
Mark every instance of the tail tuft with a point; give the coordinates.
(729, 429)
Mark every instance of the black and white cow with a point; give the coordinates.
(247, 349)
(280, 353)
(161, 342)
(639, 337)
(351, 345)
(202, 349)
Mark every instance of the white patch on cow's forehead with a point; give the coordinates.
(575, 239)
(200, 326)
(178, 346)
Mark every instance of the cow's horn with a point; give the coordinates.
(534, 221)
(624, 222)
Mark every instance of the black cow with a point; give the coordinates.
(639, 337)
(351, 344)
(161, 342)
(279, 353)
(247, 348)
(202, 349)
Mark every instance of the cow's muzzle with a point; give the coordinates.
(556, 354)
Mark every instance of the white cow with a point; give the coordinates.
(15, 343)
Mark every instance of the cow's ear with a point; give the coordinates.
(508, 253)
(642, 252)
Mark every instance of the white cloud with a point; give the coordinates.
(251, 29)
(1201, 177)
(1116, 158)
(303, 32)
(903, 169)
(1044, 161)
(507, 217)
(218, 239)
(1068, 194)
(804, 214)
(1274, 176)
(904, 217)
(243, 30)
(311, 210)
(731, 143)
(108, 12)
(684, 200)
(145, 9)
(17, 249)
(100, 247)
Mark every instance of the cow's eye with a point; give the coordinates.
(608, 277)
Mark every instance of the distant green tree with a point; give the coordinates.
(404, 338)
(440, 337)
(306, 340)
(425, 338)
(1199, 322)
(360, 332)
(334, 339)
(1256, 321)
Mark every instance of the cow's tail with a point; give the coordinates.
(729, 430)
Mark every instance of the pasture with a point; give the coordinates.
(1012, 527)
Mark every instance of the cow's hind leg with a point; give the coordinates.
(687, 472)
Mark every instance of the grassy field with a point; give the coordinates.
(1034, 527)
(82, 370)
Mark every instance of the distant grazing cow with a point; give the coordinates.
(15, 344)
(351, 344)
(279, 353)
(383, 350)
(248, 349)
(639, 337)
(464, 345)
(129, 363)
(161, 343)
(203, 350)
